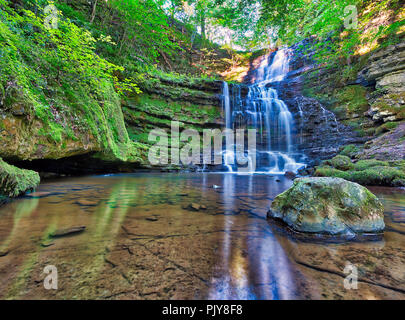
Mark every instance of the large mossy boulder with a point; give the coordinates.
(329, 206)
(15, 182)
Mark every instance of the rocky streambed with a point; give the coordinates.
(185, 236)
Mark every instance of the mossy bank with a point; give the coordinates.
(15, 182)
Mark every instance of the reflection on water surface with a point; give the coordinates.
(141, 242)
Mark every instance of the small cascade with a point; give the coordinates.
(263, 110)
(301, 113)
(325, 115)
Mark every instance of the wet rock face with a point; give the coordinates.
(194, 104)
(364, 105)
(319, 133)
(15, 182)
(329, 206)
(395, 81)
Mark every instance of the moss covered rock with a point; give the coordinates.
(329, 206)
(340, 162)
(350, 150)
(367, 172)
(15, 182)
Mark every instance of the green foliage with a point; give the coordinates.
(267, 23)
(68, 93)
(66, 52)
(146, 31)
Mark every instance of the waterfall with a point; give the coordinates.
(228, 153)
(227, 105)
(263, 110)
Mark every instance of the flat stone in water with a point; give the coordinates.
(195, 207)
(152, 219)
(4, 253)
(86, 203)
(290, 175)
(68, 231)
(46, 244)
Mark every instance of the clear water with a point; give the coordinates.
(141, 243)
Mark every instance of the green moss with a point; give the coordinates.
(398, 164)
(340, 162)
(15, 181)
(156, 108)
(350, 151)
(367, 173)
(328, 205)
(353, 98)
(358, 126)
(366, 164)
(386, 127)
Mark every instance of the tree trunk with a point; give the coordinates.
(122, 40)
(93, 14)
(203, 25)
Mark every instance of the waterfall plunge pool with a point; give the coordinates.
(141, 242)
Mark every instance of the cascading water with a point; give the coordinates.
(228, 153)
(262, 110)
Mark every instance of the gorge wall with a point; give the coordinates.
(107, 137)
(367, 98)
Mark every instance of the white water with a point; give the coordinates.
(263, 110)
(325, 115)
(227, 106)
(228, 154)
